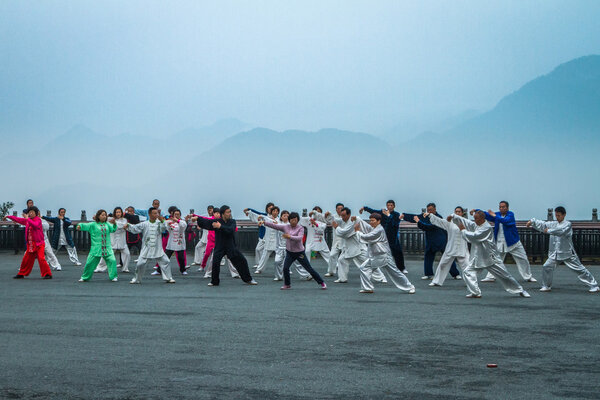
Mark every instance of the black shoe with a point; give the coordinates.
(18, 276)
(47, 277)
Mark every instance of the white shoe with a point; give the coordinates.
(115, 279)
(328, 275)
(210, 284)
(276, 279)
(405, 271)
(207, 276)
(434, 284)
(133, 281)
(473, 296)
(365, 291)
(258, 272)
(458, 277)
(339, 281)
(524, 294)
(119, 265)
(184, 273)
(545, 289)
(78, 264)
(136, 260)
(256, 266)
(201, 269)
(170, 281)
(532, 279)
(426, 277)
(81, 280)
(125, 271)
(155, 273)
(187, 267)
(252, 282)
(236, 277)
(594, 289)
(195, 263)
(412, 290)
(309, 278)
(490, 280)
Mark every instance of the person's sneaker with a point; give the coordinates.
(211, 284)
(187, 267)
(256, 266)
(458, 277)
(545, 289)
(276, 279)
(207, 277)
(426, 277)
(18, 276)
(155, 273)
(134, 281)
(434, 284)
(47, 277)
(125, 271)
(285, 287)
(195, 263)
(473, 296)
(532, 279)
(58, 268)
(78, 264)
(257, 272)
(405, 271)
(339, 281)
(119, 265)
(328, 274)
(524, 294)
(489, 280)
(82, 280)
(236, 277)
(252, 282)
(115, 279)
(323, 286)
(412, 290)
(594, 289)
(201, 269)
(309, 278)
(184, 273)
(170, 281)
(365, 291)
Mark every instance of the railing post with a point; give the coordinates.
(423, 210)
(304, 212)
(550, 216)
(191, 210)
(83, 215)
(14, 213)
(48, 213)
(594, 215)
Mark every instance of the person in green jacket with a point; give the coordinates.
(100, 231)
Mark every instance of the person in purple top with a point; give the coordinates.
(294, 249)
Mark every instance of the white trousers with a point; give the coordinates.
(517, 251)
(378, 262)
(334, 260)
(260, 247)
(199, 252)
(125, 256)
(264, 259)
(163, 263)
(444, 267)
(574, 264)
(50, 256)
(326, 254)
(208, 269)
(344, 268)
(498, 271)
(72, 253)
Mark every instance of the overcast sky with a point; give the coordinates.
(157, 67)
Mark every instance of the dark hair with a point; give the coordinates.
(505, 202)
(275, 207)
(115, 211)
(62, 208)
(284, 212)
(479, 212)
(216, 210)
(151, 209)
(293, 215)
(29, 200)
(347, 210)
(269, 204)
(461, 207)
(560, 209)
(156, 200)
(34, 208)
(223, 209)
(431, 205)
(128, 207)
(176, 210)
(97, 216)
(339, 204)
(172, 209)
(210, 207)
(376, 216)
(319, 209)
(390, 201)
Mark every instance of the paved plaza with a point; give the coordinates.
(61, 339)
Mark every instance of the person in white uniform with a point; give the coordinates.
(353, 251)
(176, 243)
(457, 249)
(270, 236)
(484, 255)
(152, 249)
(561, 250)
(118, 240)
(315, 235)
(48, 253)
(379, 255)
(507, 239)
(336, 243)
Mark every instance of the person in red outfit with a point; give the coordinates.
(34, 235)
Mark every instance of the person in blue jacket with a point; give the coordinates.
(507, 239)
(435, 240)
(391, 225)
(61, 236)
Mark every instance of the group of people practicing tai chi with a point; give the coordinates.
(372, 245)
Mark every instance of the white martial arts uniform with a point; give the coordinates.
(484, 255)
(456, 249)
(152, 250)
(269, 240)
(118, 241)
(48, 253)
(561, 250)
(72, 251)
(353, 251)
(379, 256)
(336, 244)
(517, 251)
(315, 238)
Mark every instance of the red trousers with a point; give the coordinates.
(30, 257)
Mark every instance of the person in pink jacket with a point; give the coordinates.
(34, 236)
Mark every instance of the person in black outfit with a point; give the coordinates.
(435, 240)
(225, 245)
(133, 240)
(391, 223)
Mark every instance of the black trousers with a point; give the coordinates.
(398, 255)
(290, 257)
(237, 259)
(428, 264)
(180, 254)
(137, 245)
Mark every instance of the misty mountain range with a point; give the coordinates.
(527, 149)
